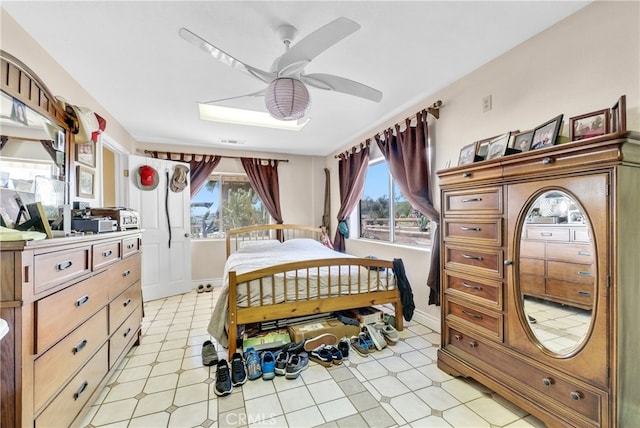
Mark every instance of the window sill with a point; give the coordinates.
(422, 248)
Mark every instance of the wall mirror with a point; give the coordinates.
(557, 278)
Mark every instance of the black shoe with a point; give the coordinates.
(343, 346)
(293, 348)
(238, 371)
(223, 379)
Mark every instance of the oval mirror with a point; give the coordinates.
(557, 271)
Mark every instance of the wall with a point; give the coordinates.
(579, 65)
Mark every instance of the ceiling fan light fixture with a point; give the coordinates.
(287, 99)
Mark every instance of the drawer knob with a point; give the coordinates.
(79, 346)
(584, 273)
(584, 293)
(466, 174)
(473, 345)
(584, 253)
(80, 390)
(130, 246)
(547, 161)
(468, 257)
(472, 229)
(507, 262)
(64, 265)
(126, 333)
(469, 314)
(127, 303)
(575, 395)
(457, 337)
(547, 381)
(81, 301)
(107, 253)
(472, 200)
(473, 287)
(126, 273)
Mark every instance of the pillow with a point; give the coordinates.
(257, 243)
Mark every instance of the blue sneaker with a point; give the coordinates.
(268, 365)
(252, 360)
(296, 364)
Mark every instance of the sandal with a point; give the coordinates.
(209, 288)
(200, 288)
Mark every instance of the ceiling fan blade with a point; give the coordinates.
(314, 44)
(259, 93)
(330, 82)
(224, 57)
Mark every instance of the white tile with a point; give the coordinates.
(271, 422)
(308, 417)
(257, 388)
(189, 416)
(386, 352)
(410, 407)
(153, 403)
(166, 367)
(437, 398)
(418, 342)
(125, 390)
(462, 416)
(190, 377)
(161, 383)
(372, 370)
(389, 386)
(228, 402)
(151, 420)
(337, 409)
(461, 389)
(191, 394)
(416, 358)
(434, 373)
(325, 390)
(414, 379)
(262, 408)
(395, 364)
(393, 413)
(147, 348)
(295, 399)
(492, 411)
(114, 412)
(401, 348)
(169, 355)
(140, 360)
(283, 384)
(315, 373)
(431, 422)
(134, 373)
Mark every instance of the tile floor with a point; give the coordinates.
(162, 383)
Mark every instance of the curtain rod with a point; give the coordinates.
(147, 152)
(433, 110)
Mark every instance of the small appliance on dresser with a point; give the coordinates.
(126, 218)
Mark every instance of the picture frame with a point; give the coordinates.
(482, 147)
(618, 116)
(546, 134)
(498, 146)
(589, 125)
(468, 154)
(85, 154)
(85, 182)
(521, 141)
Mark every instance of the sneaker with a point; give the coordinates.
(360, 346)
(322, 356)
(336, 355)
(389, 319)
(296, 364)
(343, 346)
(254, 371)
(389, 333)
(371, 347)
(238, 371)
(223, 379)
(293, 347)
(376, 336)
(323, 339)
(282, 360)
(268, 365)
(209, 354)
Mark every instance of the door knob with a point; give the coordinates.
(186, 235)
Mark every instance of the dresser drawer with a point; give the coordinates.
(106, 253)
(53, 269)
(575, 253)
(67, 405)
(61, 312)
(476, 231)
(52, 369)
(123, 305)
(477, 201)
(532, 266)
(532, 285)
(581, 294)
(570, 272)
(568, 394)
(130, 246)
(485, 261)
(476, 289)
(480, 320)
(535, 249)
(548, 233)
(124, 335)
(123, 274)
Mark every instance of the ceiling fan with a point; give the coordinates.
(286, 96)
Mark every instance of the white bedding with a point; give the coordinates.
(256, 257)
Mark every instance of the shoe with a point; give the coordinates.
(322, 356)
(336, 354)
(293, 348)
(343, 346)
(254, 371)
(268, 365)
(360, 346)
(238, 371)
(376, 336)
(389, 333)
(223, 379)
(282, 359)
(200, 289)
(366, 338)
(296, 364)
(208, 288)
(323, 339)
(389, 319)
(209, 354)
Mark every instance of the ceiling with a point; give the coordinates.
(129, 57)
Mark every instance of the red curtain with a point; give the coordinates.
(200, 166)
(352, 172)
(263, 176)
(407, 155)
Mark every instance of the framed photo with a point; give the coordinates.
(522, 141)
(589, 125)
(498, 146)
(85, 154)
(619, 115)
(84, 182)
(546, 134)
(468, 154)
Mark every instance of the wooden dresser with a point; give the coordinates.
(74, 307)
(545, 311)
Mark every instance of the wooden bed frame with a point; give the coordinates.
(304, 303)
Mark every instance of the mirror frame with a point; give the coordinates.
(522, 315)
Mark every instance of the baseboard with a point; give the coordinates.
(427, 319)
(216, 282)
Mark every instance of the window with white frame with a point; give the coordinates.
(226, 201)
(384, 212)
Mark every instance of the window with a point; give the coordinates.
(225, 202)
(409, 226)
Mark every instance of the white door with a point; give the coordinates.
(166, 250)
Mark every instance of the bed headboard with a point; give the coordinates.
(235, 237)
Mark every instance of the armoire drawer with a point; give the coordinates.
(480, 290)
(106, 253)
(548, 233)
(571, 291)
(130, 246)
(476, 231)
(576, 253)
(483, 261)
(124, 335)
(123, 305)
(123, 274)
(483, 321)
(67, 405)
(55, 268)
(61, 312)
(567, 393)
(477, 201)
(572, 272)
(54, 367)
